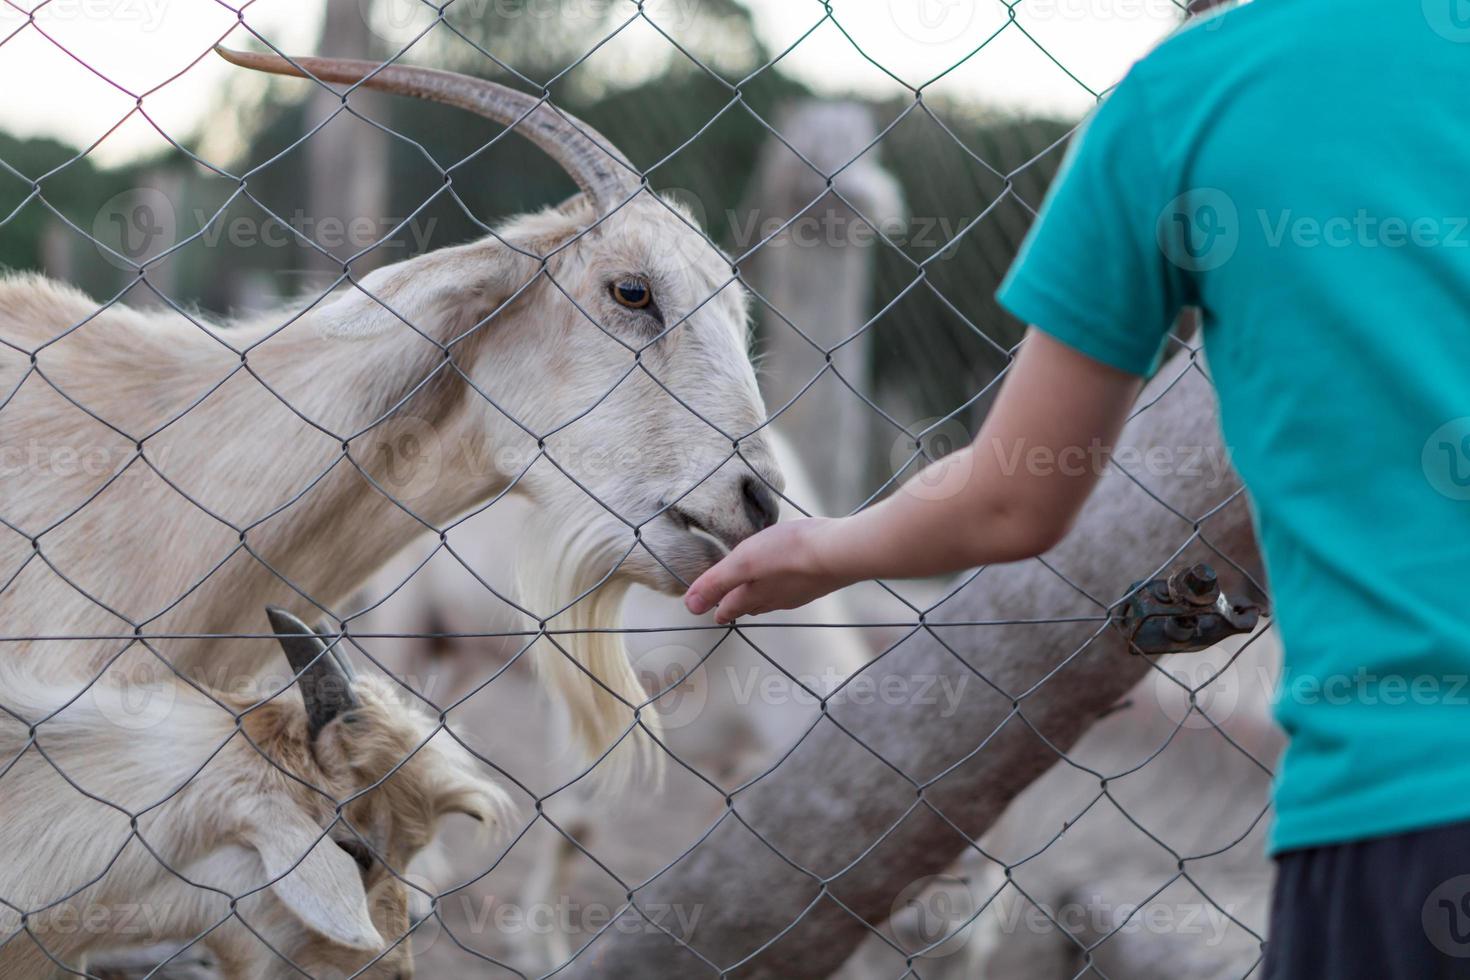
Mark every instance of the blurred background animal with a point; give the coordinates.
(308, 808)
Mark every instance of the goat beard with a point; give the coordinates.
(582, 658)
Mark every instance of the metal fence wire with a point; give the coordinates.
(904, 782)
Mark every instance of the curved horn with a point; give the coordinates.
(324, 676)
(598, 167)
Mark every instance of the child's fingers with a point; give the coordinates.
(710, 588)
(741, 601)
(694, 599)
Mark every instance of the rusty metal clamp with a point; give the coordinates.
(1183, 613)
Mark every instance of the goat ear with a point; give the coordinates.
(477, 798)
(449, 285)
(324, 888)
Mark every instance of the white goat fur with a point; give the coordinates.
(734, 733)
(221, 812)
(147, 555)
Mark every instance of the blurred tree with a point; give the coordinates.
(693, 124)
(347, 176)
(73, 187)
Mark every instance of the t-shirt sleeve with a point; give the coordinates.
(1092, 272)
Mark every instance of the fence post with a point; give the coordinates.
(817, 275)
(839, 808)
(347, 173)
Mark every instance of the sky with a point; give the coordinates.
(78, 68)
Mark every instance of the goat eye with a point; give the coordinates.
(358, 851)
(632, 293)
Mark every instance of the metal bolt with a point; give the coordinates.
(1198, 585)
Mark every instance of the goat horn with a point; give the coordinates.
(324, 676)
(599, 168)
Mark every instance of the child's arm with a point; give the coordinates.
(1011, 495)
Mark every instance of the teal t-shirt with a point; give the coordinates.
(1300, 171)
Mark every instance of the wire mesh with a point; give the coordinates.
(98, 707)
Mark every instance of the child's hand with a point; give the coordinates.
(782, 567)
(966, 510)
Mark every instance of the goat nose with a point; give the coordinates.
(762, 506)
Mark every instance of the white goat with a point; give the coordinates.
(729, 711)
(591, 358)
(307, 812)
(417, 609)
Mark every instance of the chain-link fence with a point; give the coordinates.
(485, 454)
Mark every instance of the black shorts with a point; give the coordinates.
(1391, 908)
